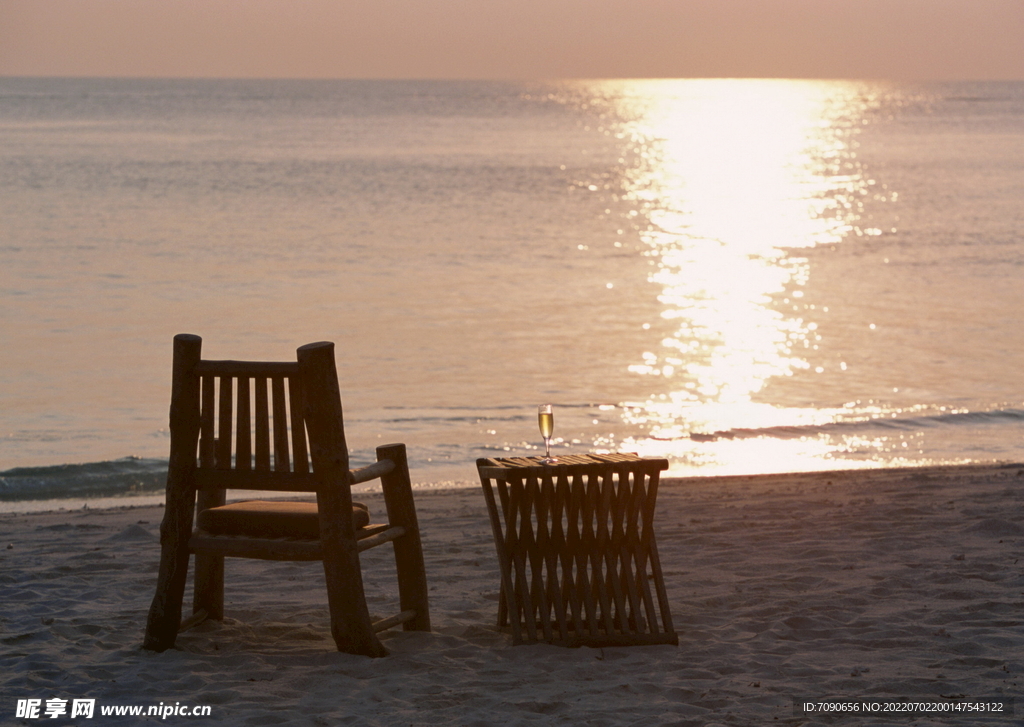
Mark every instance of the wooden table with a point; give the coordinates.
(575, 541)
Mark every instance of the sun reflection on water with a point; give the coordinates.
(735, 178)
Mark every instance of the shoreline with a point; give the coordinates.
(889, 585)
(75, 504)
(867, 474)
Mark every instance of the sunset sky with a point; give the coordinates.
(900, 39)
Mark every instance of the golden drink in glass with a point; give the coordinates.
(546, 422)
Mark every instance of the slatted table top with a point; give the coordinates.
(569, 460)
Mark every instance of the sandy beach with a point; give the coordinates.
(884, 587)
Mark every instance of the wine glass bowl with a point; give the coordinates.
(546, 422)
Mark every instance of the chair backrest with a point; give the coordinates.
(250, 418)
(244, 403)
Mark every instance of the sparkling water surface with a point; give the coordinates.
(741, 276)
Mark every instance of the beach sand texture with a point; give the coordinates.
(878, 585)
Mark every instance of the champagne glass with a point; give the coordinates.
(546, 421)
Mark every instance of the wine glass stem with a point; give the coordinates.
(547, 447)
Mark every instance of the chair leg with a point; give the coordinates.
(208, 593)
(350, 618)
(412, 577)
(209, 586)
(175, 530)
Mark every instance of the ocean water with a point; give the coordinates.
(742, 276)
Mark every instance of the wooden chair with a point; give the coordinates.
(224, 408)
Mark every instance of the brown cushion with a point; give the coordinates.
(271, 519)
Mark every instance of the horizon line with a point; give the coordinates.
(508, 79)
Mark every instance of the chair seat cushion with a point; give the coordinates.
(271, 519)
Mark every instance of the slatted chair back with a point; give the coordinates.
(277, 426)
(252, 426)
(252, 430)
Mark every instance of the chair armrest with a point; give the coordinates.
(372, 472)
